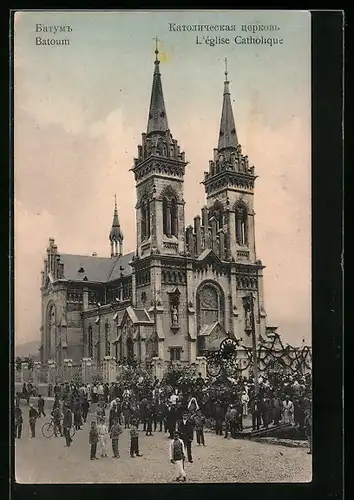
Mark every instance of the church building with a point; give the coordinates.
(185, 287)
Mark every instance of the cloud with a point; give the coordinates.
(31, 235)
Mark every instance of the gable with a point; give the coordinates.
(208, 255)
(216, 336)
(136, 317)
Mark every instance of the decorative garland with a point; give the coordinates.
(224, 360)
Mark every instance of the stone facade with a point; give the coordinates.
(159, 302)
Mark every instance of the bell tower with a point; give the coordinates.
(229, 186)
(159, 176)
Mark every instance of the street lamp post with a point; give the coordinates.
(254, 345)
(98, 348)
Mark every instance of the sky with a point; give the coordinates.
(80, 109)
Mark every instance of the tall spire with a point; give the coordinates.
(116, 235)
(157, 121)
(227, 134)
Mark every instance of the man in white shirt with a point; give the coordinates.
(177, 455)
(173, 399)
(94, 393)
(245, 400)
(100, 392)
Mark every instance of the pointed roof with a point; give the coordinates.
(208, 252)
(116, 233)
(157, 121)
(227, 133)
(137, 316)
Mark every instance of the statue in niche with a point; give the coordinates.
(174, 312)
(247, 318)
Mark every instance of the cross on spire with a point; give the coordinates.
(156, 47)
(227, 134)
(157, 121)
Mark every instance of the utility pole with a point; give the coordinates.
(254, 346)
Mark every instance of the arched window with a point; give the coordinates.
(145, 219)
(241, 225)
(130, 348)
(154, 347)
(210, 304)
(90, 342)
(174, 217)
(210, 309)
(217, 211)
(107, 343)
(170, 216)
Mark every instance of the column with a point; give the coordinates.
(260, 297)
(190, 240)
(232, 307)
(109, 369)
(174, 219)
(51, 371)
(135, 348)
(36, 372)
(222, 245)
(24, 372)
(201, 365)
(232, 234)
(142, 350)
(161, 350)
(68, 363)
(86, 367)
(251, 237)
(180, 226)
(213, 235)
(191, 328)
(134, 297)
(206, 227)
(85, 299)
(192, 351)
(158, 224)
(168, 218)
(198, 235)
(239, 214)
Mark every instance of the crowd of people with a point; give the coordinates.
(179, 409)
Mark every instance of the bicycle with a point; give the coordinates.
(48, 429)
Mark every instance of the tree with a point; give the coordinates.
(29, 361)
(134, 374)
(18, 363)
(180, 377)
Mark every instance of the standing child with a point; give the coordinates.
(33, 415)
(93, 440)
(177, 456)
(134, 440)
(103, 437)
(116, 430)
(18, 422)
(40, 405)
(56, 414)
(199, 421)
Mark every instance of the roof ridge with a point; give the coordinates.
(83, 255)
(115, 260)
